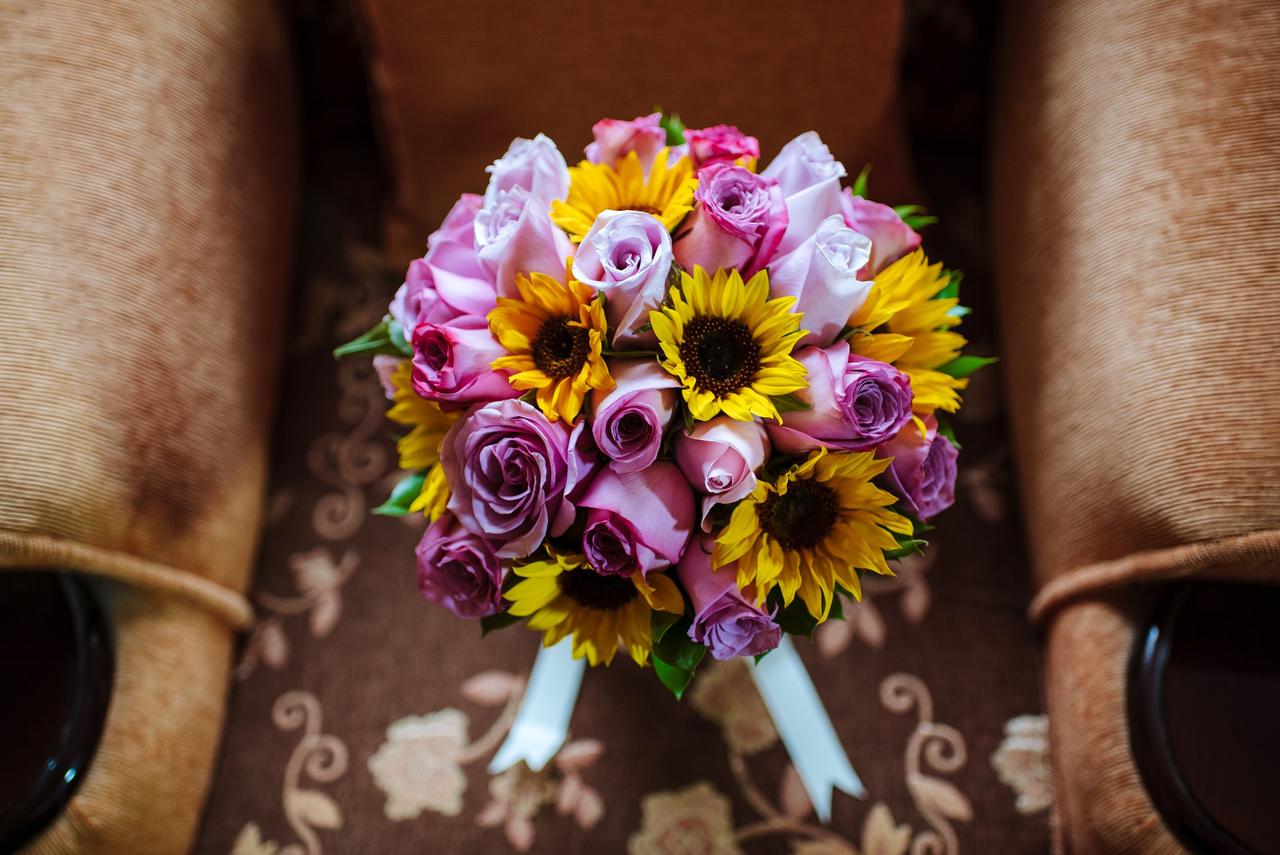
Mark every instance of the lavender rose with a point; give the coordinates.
(451, 363)
(509, 470)
(449, 281)
(822, 274)
(891, 238)
(615, 138)
(626, 256)
(535, 165)
(638, 521)
(628, 423)
(723, 620)
(810, 181)
(720, 143)
(923, 472)
(858, 403)
(720, 458)
(737, 222)
(459, 570)
(513, 234)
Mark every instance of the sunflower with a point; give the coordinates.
(420, 447)
(811, 529)
(566, 597)
(917, 333)
(554, 335)
(667, 193)
(434, 497)
(729, 344)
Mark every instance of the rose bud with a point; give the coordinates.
(637, 521)
(720, 458)
(535, 166)
(451, 363)
(448, 282)
(721, 143)
(626, 256)
(723, 619)
(822, 274)
(514, 234)
(737, 221)
(459, 570)
(858, 403)
(508, 468)
(615, 138)
(923, 472)
(628, 423)
(891, 238)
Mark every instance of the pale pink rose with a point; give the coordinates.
(822, 274)
(535, 165)
(810, 181)
(514, 235)
(451, 363)
(720, 458)
(615, 138)
(626, 256)
(723, 620)
(891, 238)
(720, 143)
(384, 365)
(737, 222)
(449, 281)
(628, 423)
(638, 521)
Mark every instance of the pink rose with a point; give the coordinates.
(449, 281)
(858, 403)
(451, 363)
(509, 470)
(891, 238)
(385, 365)
(737, 222)
(637, 521)
(514, 234)
(626, 256)
(923, 472)
(615, 138)
(628, 423)
(535, 165)
(822, 274)
(720, 143)
(810, 181)
(459, 570)
(723, 620)
(720, 458)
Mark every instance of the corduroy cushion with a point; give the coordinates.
(1135, 226)
(146, 200)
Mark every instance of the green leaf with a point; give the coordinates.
(860, 183)
(671, 123)
(919, 221)
(790, 403)
(395, 332)
(675, 679)
(910, 546)
(795, 618)
(837, 608)
(963, 366)
(373, 343)
(402, 496)
(688, 419)
(676, 648)
(660, 623)
(945, 429)
(960, 312)
(501, 620)
(951, 290)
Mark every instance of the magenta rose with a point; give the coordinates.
(509, 470)
(923, 472)
(451, 363)
(822, 274)
(637, 521)
(891, 238)
(628, 423)
(720, 143)
(458, 569)
(720, 458)
(449, 281)
(723, 620)
(737, 221)
(858, 403)
(615, 138)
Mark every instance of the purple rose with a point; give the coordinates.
(626, 256)
(509, 469)
(891, 238)
(858, 403)
(459, 570)
(822, 274)
(721, 143)
(723, 620)
(638, 521)
(451, 363)
(615, 138)
(628, 423)
(720, 458)
(737, 222)
(923, 472)
(449, 281)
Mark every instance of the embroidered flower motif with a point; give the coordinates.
(1022, 761)
(692, 821)
(723, 693)
(418, 767)
(249, 842)
(516, 797)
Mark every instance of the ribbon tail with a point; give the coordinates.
(542, 723)
(805, 728)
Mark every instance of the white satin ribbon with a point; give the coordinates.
(542, 723)
(805, 728)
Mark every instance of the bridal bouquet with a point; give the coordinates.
(667, 401)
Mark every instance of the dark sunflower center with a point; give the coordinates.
(590, 590)
(646, 209)
(802, 517)
(720, 353)
(560, 350)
